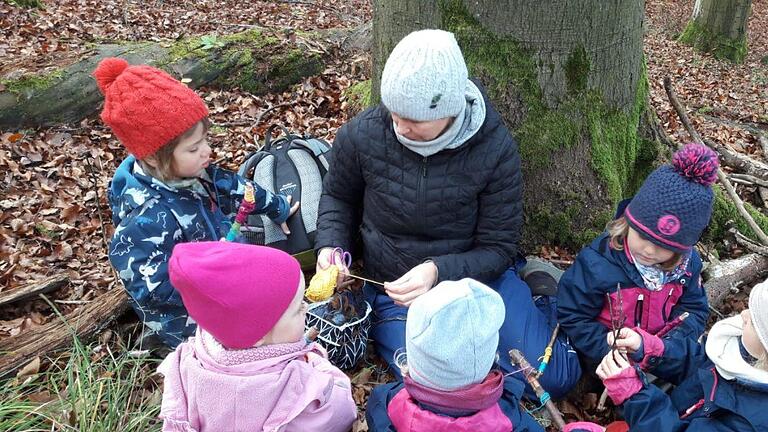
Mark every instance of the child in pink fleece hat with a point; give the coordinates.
(248, 367)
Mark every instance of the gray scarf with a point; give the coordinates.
(464, 126)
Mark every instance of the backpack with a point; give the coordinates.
(292, 165)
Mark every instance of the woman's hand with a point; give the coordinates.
(324, 258)
(628, 339)
(294, 208)
(414, 283)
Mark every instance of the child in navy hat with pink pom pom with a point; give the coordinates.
(643, 272)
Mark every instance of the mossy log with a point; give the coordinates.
(256, 60)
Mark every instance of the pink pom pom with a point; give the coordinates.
(697, 163)
(107, 71)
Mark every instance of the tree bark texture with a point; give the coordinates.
(569, 80)
(719, 27)
(255, 60)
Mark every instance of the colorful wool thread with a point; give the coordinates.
(246, 208)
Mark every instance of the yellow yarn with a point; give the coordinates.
(322, 284)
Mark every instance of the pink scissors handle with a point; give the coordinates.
(344, 256)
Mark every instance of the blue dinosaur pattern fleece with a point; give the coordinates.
(151, 217)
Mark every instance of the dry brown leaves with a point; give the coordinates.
(34, 40)
(53, 182)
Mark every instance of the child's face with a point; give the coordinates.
(290, 327)
(749, 336)
(420, 131)
(193, 154)
(646, 252)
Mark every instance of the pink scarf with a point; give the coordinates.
(461, 402)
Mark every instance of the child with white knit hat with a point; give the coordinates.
(449, 379)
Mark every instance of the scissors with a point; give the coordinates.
(340, 257)
(344, 257)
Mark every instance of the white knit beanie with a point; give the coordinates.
(758, 307)
(425, 77)
(452, 334)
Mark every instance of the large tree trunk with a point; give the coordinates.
(719, 27)
(257, 61)
(569, 81)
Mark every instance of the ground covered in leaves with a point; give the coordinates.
(54, 214)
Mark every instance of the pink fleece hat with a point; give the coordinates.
(235, 292)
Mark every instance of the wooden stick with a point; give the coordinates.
(517, 358)
(720, 174)
(363, 279)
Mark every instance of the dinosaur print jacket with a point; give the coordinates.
(151, 217)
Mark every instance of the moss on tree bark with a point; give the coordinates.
(719, 27)
(254, 61)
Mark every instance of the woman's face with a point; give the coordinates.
(749, 336)
(420, 131)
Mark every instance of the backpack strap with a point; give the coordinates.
(268, 138)
(317, 148)
(250, 162)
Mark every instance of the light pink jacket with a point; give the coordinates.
(283, 393)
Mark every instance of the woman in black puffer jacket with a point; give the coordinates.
(431, 181)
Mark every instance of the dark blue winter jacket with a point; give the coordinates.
(582, 308)
(378, 420)
(703, 400)
(151, 217)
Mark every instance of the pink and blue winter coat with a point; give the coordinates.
(583, 312)
(151, 217)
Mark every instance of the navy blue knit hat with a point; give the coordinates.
(674, 204)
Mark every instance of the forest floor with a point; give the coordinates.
(55, 219)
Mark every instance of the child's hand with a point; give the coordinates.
(628, 339)
(284, 225)
(612, 365)
(620, 378)
(409, 286)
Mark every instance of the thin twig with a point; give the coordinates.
(720, 174)
(748, 180)
(746, 242)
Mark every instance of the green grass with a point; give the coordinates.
(84, 390)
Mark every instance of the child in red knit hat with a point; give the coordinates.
(166, 191)
(248, 367)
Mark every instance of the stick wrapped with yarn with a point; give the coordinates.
(246, 208)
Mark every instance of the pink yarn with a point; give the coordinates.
(697, 163)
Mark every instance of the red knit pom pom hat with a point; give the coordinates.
(236, 292)
(145, 107)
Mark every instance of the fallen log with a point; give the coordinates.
(32, 290)
(740, 162)
(724, 277)
(18, 350)
(258, 61)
